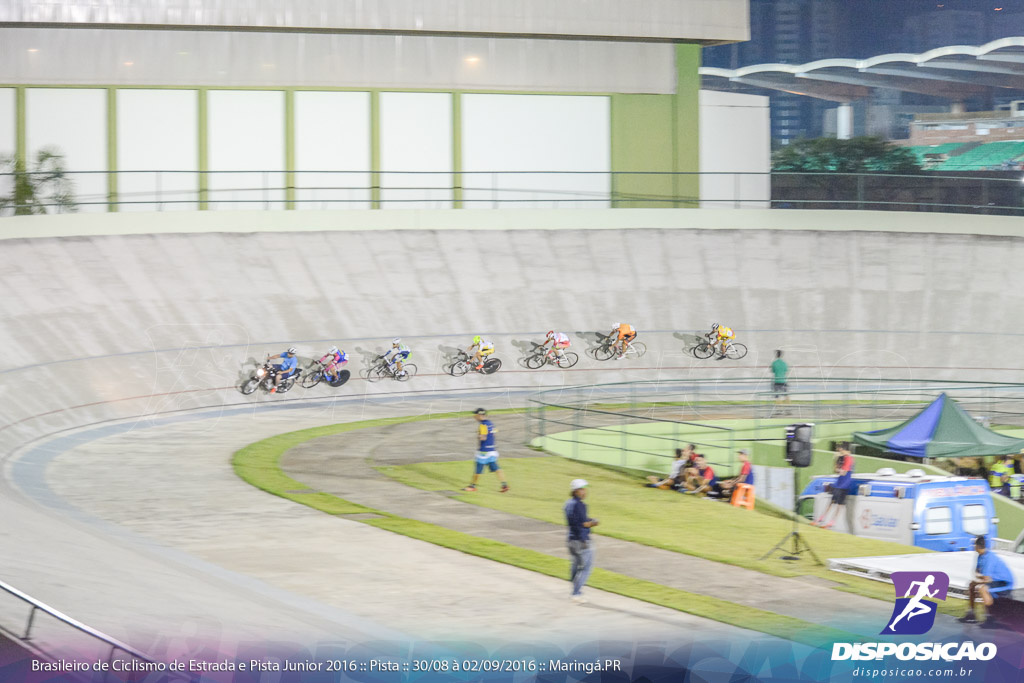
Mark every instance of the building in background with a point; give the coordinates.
(801, 31)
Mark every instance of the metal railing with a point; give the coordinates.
(115, 646)
(603, 418)
(162, 190)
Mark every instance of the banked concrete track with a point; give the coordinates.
(108, 338)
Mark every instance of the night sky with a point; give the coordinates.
(876, 26)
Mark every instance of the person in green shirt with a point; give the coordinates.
(780, 370)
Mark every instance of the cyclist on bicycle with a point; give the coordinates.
(333, 362)
(722, 337)
(559, 342)
(623, 333)
(286, 368)
(401, 353)
(483, 347)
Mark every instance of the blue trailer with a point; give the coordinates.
(929, 511)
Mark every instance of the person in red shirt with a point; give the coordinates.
(705, 482)
(746, 475)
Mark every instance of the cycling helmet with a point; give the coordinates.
(477, 339)
(333, 349)
(614, 325)
(551, 333)
(292, 351)
(396, 341)
(715, 326)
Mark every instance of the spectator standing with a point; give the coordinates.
(840, 489)
(487, 452)
(580, 546)
(992, 579)
(780, 370)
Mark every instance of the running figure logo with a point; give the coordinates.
(914, 612)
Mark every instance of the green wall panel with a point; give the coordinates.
(641, 141)
(687, 123)
(659, 133)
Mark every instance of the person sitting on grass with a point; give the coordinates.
(690, 466)
(746, 475)
(993, 579)
(675, 477)
(704, 483)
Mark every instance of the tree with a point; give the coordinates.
(33, 190)
(857, 155)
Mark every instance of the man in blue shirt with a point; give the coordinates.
(286, 368)
(993, 579)
(486, 452)
(580, 548)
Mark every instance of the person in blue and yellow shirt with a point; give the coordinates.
(487, 452)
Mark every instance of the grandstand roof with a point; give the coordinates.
(954, 72)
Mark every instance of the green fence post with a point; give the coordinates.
(576, 436)
(204, 141)
(111, 150)
(622, 439)
(289, 149)
(374, 149)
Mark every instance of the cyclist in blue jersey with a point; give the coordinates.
(286, 368)
(487, 452)
(396, 355)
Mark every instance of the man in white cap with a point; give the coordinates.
(580, 548)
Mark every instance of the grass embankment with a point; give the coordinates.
(259, 465)
(704, 528)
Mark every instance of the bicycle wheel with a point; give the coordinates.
(535, 361)
(604, 352)
(343, 377)
(491, 365)
(736, 351)
(567, 360)
(458, 368)
(637, 349)
(702, 351)
(249, 386)
(377, 373)
(311, 379)
(409, 371)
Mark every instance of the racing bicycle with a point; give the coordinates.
(705, 348)
(317, 372)
(539, 358)
(381, 369)
(463, 364)
(606, 349)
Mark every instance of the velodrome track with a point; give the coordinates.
(111, 338)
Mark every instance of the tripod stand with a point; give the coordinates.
(799, 544)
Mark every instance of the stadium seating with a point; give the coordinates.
(921, 150)
(984, 157)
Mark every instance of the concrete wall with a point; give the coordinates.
(694, 20)
(98, 327)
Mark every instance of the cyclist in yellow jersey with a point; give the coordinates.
(481, 348)
(721, 336)
(623, 333)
